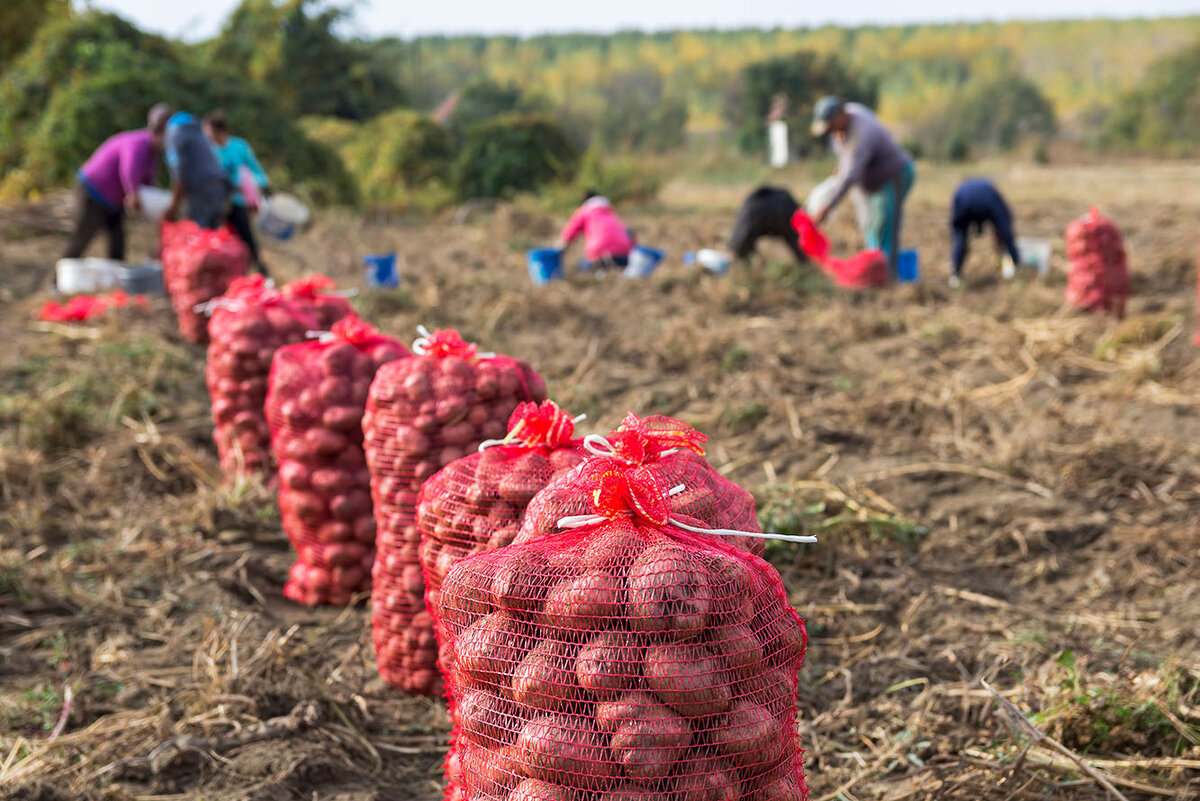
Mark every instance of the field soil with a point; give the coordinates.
(1004, 600)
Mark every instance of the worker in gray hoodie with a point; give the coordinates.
(868, 158)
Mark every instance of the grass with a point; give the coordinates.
(735, 358)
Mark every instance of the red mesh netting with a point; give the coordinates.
(423, 413)
(626, 659)
(863, 270)
(1098, 275)
(315, 401)
(198, 264)
(477, 503)
(319, 292)
(674, 452)
(249, 323)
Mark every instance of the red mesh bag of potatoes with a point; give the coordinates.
(315, 401)
(198, 264)
(629, 656)
(477, 503)
(249, 323)
(328, 305)
(1098, 272)
(674, 452)
(423, 413)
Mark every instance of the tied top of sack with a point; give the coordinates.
(640, 440)
(309, 288)
(444, 343)
(544, 427)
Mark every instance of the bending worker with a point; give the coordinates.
(196, 175)
(868, 158)
(977, 201)
(607, 241)
(109, 181)
(235, 155)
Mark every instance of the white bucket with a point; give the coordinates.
(280, 215)
(154, 202)
(73, 276)
(1036, 253)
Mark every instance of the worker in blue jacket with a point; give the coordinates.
(976, 202)
(235, 155)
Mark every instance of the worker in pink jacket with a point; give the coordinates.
(607, 241)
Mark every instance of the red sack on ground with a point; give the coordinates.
(321, 293)
(84, 308)
(674, 452)
(628, 658)
(315, 400)
(198, 264)
(866, 269)
(422, 414)
(249, 323)
(477, 503)
(1098, 271)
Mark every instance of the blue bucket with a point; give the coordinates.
(642, 261)
(545, 264)
(908, 267)
(381, 271)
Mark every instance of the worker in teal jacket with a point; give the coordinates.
(235, 155)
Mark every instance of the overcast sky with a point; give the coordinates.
(375, 18)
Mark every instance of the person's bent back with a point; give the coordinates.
(605, 237)
(196, 173)
(977, 202)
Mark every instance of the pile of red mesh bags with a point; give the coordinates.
(623, 658)
(314, 406)
(319, 292)
(249, 323)
(1098, 274)
(674, 452)
(198, 264)
(423, 413)
(864, 270)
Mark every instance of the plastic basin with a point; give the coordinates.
(280, 215)
(154, 202)
(545, 265)
(381, 270)
(642, 261)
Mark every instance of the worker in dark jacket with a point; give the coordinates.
(767, 212)
(976, 202)
(196, 174)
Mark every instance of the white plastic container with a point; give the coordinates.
(154, 202)
(1036, 252)
(73, 276)
(280, 215)
(713, 260)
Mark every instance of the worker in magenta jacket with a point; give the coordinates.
(607, 241)
(109, 181)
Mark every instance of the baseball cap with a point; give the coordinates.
(823, 112)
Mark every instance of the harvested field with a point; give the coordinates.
(1007, 496)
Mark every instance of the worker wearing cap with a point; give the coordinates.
(196, 174)
(109, 182)
(868, 158)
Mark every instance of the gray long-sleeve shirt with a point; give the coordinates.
(869, 157)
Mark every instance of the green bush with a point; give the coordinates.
(86, 78)
(400, 159)
(1161, 115)
(992, 115)
(638, 114)
(617, 179)
(804, 78)
(513, 153)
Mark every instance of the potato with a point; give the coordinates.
(486, 718)
(752, 735)
(545, 679)
(609, 663)
(535, 790)
(489, 651)
(494, 772)
(740, 647)
(617, 548)
(711, 780)
(648, 738)
(687, 678)
(583, 605)
(520, 582)
(767, 688)
(632, 792)
(668, 593)
(566, 750)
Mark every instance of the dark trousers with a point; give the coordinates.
(239, 219)
(90, 216)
